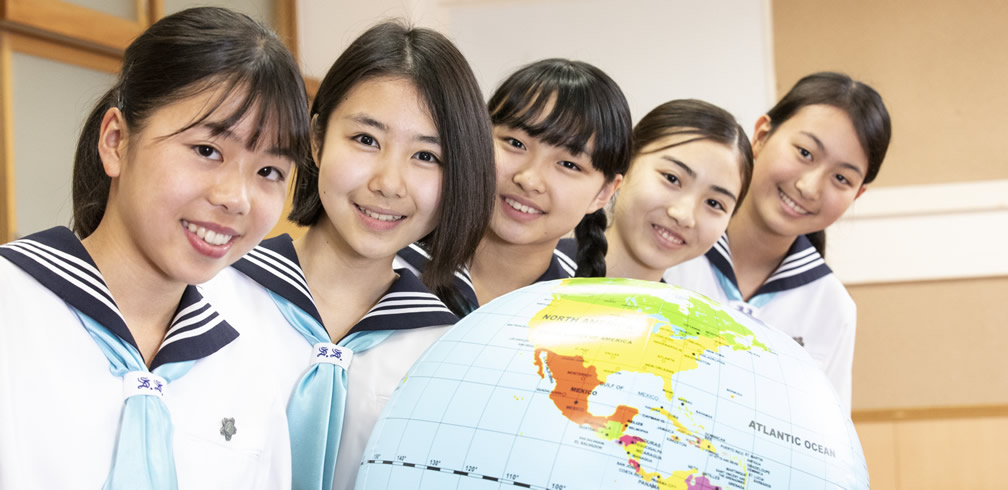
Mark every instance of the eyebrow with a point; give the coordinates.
(374, 123)
(822, 148)
(689, 171)
(220, 130)
(686, 168)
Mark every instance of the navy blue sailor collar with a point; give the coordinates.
(561, 266)
(59, 261)
(801, 265)
(407, 304)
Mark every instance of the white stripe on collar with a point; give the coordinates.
(568, 264)
(46, 256)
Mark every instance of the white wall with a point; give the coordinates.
(657, 50)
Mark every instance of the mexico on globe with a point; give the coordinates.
(584, 384)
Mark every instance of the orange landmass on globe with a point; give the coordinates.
(575, 382)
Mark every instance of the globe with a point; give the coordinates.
(612, 384)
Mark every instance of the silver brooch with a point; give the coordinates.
(228, 428)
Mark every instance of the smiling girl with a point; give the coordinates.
(403, 153)
(815, 151)
(562, 139)
(113, 368)
(691, 168)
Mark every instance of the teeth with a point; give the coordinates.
(381, 217)
(521, 207)
(211, 237)
(664, 233)
(791, 204)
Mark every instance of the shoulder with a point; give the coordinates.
(827, 294)
(696, 275)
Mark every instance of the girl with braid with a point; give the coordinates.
(562, 143)
(690, 171)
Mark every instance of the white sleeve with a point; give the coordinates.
(840, 367)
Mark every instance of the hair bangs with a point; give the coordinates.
(276, 111)
(554, 116)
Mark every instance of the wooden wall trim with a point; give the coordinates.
(8, 216)
(929, 413)
(65, 54)
(74, 22)
(285, 23)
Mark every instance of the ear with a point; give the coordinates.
(316, 144)
(761, 131)
(112, 140)
(605, 194)
(861, 191)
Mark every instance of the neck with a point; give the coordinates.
(345, 286)
(146, 297)
(619, 262)
(756, 251)
(500, 267)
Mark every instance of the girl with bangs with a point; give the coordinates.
(561, 130)
(403, 153)
(115, 372)
(815, 151)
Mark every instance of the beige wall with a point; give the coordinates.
(940, 65)
(930, 394)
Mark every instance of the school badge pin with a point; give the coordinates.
(228, 428)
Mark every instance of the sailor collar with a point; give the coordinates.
(407, 304)
(59, 261)
(801, 265)
(561, 266)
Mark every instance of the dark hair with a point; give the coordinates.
(587, 105)
(183, 55)
(702, 121)
(451, 93)
(862, 104)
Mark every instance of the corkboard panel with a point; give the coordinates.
(930, 344)
(939, 65)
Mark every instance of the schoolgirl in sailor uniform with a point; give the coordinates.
(115, 371)
(690, 169)
(403, 150)
(562, 140)
(815, 151)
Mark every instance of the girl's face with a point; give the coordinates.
(676, 200)
(380, 169)
(807, 172)
(191, 203)
(543, 191)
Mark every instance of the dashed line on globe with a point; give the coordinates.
(457, 472)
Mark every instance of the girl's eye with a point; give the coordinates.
(426, 156)
(207, 151)
(716, 204)
(672, 179)
(569, 165)
(804, 153)
(366, 140)
(271, 173)
(843, 180)
(515, 143)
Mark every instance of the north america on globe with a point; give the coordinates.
(612, 383)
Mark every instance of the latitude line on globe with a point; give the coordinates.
(469, 474)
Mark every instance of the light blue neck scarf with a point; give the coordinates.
(144, 456)
(316, 408)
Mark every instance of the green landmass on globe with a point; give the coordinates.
(612, 383)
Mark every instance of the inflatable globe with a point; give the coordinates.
(586, 384)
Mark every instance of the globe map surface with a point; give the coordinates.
(612, 383)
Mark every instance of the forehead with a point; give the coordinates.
(388, 97)
(832, 127)
(708, 159)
